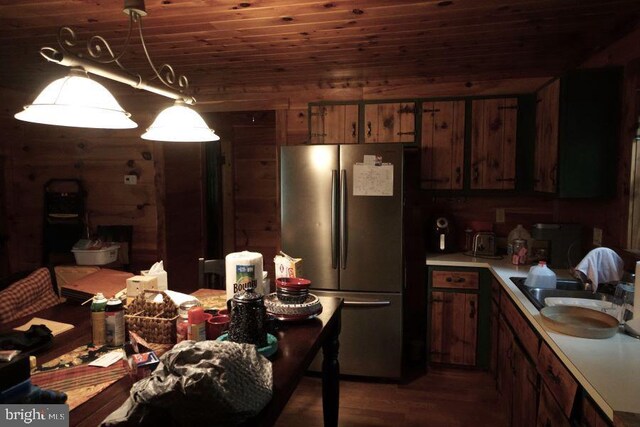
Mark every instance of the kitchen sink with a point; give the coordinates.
(564, 289)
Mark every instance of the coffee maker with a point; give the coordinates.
(441, 234)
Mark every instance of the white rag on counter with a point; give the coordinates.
(601, 265)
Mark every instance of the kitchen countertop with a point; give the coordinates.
(608, 369)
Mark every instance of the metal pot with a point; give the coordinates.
(248, 314)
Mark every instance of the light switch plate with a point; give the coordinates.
(130, 179)
(499, 215)
(597, 236)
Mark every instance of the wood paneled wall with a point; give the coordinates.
(100, 158)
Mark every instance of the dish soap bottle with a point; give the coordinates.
(517, 233)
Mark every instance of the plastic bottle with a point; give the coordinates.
(541, 276)
(114, 323)
(196, 330)
(98, 306)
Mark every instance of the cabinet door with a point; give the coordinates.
(549, 413)
(334, 124)
(505, 365)
(442, 145)
(454, 327)
(390, 122)
(493, 143)
(493, 361)
(545, 160)
(525, 389)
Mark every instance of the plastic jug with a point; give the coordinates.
(541, 276)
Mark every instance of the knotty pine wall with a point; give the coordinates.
(101, 158)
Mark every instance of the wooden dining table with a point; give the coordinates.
(298, 344)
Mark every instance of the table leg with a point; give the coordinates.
(331, 378)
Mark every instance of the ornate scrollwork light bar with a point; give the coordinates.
(61, 104)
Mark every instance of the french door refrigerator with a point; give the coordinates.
(342, 212)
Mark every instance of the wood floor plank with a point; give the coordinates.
(442, 397)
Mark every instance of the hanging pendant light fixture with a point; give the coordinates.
(79, 101)
(179, 123)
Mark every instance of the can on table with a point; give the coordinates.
(98, 307)
(114, 322)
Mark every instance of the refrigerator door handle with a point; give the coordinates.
(348, 303)
(334, 219)
(343, 219)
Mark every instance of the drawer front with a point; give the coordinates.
(455, 279)
(521, 328)
(557, 378)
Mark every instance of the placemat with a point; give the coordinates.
(80, 383)
(71, 373)
(212, 298)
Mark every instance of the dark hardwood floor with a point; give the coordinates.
(442, 397)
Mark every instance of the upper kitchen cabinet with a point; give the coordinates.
(545, 159)
(333, 124)
(442, 145)
(390, 122)
(576, 122)
(494, 125)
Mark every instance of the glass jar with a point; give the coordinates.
(182, 322)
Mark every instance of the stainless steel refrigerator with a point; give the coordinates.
(342, 213)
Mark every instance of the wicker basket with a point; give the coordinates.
(153, 321)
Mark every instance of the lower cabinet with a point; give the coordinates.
(459, 310)
(517, 379)
(454, 325)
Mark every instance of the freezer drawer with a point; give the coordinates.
(371, 335)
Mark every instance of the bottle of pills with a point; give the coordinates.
(98, 306)
(114, 322)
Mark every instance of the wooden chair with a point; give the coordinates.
(211, 273)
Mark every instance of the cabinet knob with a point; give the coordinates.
(458, 174)
(369, 129)
(476, 174)
(472, 312)
(353, 129)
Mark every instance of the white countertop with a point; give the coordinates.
(608, 369)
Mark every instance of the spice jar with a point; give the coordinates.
(182, 322)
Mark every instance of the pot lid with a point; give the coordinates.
(246, 296)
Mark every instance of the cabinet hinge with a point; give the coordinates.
(322, 112)
(405, 133)
(435, 110)
(318, 134)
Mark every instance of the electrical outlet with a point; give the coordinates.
(499, 215)
(597, 236)
(130, 179)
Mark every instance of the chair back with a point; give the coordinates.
(211, 273)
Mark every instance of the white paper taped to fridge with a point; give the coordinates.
(371, 180)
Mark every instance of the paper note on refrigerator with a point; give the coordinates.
(371, 180)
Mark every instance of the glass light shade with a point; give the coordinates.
(77, 101)
(179, 123)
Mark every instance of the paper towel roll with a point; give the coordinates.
(243, 269)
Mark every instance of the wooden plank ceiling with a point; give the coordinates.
(271, 42)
